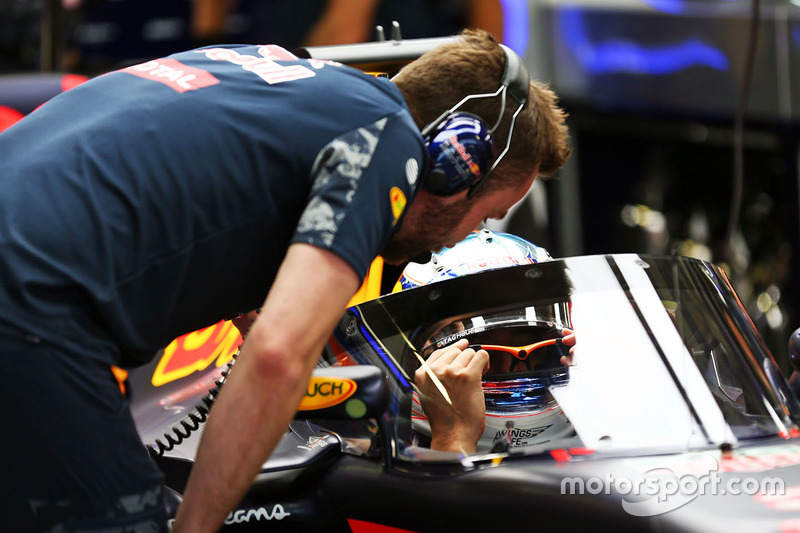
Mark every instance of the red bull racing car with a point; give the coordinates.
(671, 416)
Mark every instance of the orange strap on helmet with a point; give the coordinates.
(520, 352)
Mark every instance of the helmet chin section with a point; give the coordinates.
(526, 429)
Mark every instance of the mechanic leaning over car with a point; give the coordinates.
(160, 198)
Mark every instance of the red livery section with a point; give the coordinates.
(360, 526)
(195, 351)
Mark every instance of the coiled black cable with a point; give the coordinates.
(190, 423)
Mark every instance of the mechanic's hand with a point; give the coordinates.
(569, 340)
(456, 425)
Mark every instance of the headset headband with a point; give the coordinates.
(515, 81)
(515, 76)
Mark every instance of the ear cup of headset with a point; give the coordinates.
(461, 149)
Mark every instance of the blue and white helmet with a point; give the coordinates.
(520, 411)
(481, 250)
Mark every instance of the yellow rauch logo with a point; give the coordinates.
(325, 392)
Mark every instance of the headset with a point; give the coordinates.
(461, 146)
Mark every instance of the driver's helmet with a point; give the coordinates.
(481, 250)
(524, 347)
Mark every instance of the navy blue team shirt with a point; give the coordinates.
(161, 198)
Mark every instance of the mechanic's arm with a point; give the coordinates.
(267, 383)
(456, 421)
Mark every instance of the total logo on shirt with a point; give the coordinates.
(173, 74)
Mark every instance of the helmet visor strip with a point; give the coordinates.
(510, 359)
(513, 351)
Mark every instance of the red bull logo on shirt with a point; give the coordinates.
(398, 202)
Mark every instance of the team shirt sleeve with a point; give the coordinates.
(363, 182)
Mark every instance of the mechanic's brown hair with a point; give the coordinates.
(473, 64)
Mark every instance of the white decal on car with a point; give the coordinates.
(241, 516)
